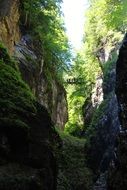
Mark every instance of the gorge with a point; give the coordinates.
(56, 135)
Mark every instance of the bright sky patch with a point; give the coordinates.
(74, 11)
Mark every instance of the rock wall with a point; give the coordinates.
(93, 102)
(118, 174)
(34, 70)
(97, 93)
(103, 130)
(101, 136)
(41, 79)
(28, 140)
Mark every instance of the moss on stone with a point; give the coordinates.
(73, 173)
(16, 99)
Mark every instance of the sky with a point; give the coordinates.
(74, 11)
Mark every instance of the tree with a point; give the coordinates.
(104, 28)
(44, 19)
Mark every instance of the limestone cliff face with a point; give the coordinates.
(9, 23)
(48, 90)
(28, 139)
(41, 79)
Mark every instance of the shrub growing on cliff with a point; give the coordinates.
(45, 20)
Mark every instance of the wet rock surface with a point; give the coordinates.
(118, 175)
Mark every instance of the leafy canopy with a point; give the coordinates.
(44, 19)
(104, 27)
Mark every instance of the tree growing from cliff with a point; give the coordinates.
(44, 19)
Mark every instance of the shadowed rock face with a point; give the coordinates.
(121, 83)
(104, 127)
(42, 81)
(27, 159)
(27, 136)
(31, 63)
(118, 175)
(102, 138)
(5, 7)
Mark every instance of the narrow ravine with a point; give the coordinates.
(63, 112)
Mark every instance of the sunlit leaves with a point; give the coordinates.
(105, 24)
(43, 18)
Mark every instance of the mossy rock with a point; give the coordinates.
(15, 96)
(73, 173)
(27, 134)
(16, 101)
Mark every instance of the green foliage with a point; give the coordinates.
(4, 56)
(77, 94)
(73, 173)
(45, 21)
(74, 124)
(103, 31)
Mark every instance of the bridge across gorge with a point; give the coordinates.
(75, 81)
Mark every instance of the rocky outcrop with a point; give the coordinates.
(102, 135)
(28, 140)
(27, 136)
(88, 111)
(93, 102)
(27, 160)
(34, 70)
(104, 128)
(41, 79)
(9, 26)
(118, 174)
(97, 93)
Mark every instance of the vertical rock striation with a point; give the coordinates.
(118, 174)
(104, 127)
(42, 80)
